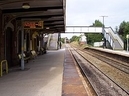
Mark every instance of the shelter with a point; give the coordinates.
(24, 23)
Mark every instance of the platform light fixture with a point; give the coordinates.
(47, 28)
(25, 6)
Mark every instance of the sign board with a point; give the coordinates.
(33, 24)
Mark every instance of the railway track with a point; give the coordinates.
(101, 83)
(111, 61)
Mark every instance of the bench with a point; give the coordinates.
(25, 57)
(33, 54)
(43, 50)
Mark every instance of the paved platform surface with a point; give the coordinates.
(41, 77)
(72, 83)
(119, 52)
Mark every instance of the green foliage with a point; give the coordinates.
(123, 31)
(121, 28)
(75, 38)
(62, 40)
(97, 24)
(95, 37)
(91, 38)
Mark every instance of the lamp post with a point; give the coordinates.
(104, 44)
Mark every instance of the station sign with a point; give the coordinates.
(33, 24)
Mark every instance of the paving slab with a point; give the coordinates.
(41, 77)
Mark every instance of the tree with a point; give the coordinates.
(75, 38)
(97, 23)
(62, 40)
(126, 29)
(123, 31)
(94, 37)
(121, 28)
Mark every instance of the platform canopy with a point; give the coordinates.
(52, 12)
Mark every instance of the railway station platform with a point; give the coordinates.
(119, 52)
(52, 74)
(42, 77)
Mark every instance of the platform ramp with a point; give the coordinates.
(116, 43)
(52, 41)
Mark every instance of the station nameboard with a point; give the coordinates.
(33, 24)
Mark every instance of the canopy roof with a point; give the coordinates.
(52, 12)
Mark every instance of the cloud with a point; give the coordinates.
(85, 12)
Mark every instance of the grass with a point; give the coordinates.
(80, 46)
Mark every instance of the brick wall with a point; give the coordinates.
(14, 46)
(1, 39)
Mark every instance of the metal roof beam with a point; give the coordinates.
(30, 10)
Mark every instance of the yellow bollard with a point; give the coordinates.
(1, 67)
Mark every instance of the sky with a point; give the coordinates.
(85, 12)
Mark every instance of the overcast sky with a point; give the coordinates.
(85, 12)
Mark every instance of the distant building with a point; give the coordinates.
(83, 39)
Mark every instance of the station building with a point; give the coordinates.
(24, 24)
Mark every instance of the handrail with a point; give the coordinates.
(1, 67)
(117, 37)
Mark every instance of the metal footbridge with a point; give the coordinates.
(112, 38)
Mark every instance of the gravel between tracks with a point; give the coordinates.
(121, 78)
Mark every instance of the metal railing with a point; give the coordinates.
(83, 29)
(114, 40)
(115, 37)
(1, 67)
